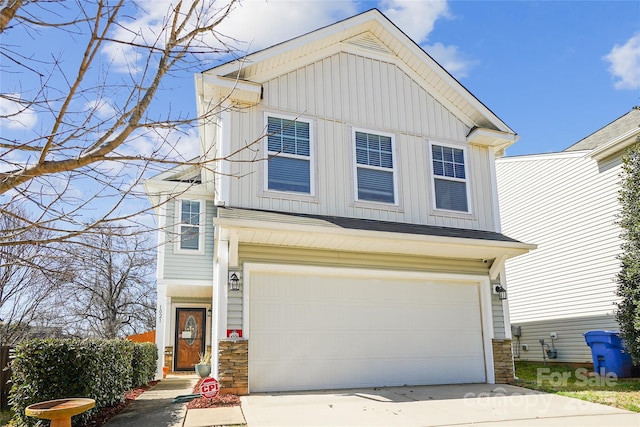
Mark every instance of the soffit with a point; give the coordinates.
(366, 236)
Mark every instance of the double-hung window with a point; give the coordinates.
(289, 153)
(450, 178)
(375, 175)
(190, 225)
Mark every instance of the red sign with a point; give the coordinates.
(209, 388)
(234, 333)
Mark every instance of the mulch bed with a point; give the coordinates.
(105, 414)
(216, 402)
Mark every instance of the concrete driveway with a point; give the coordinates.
(444, 405)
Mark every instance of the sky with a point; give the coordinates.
(553, 71)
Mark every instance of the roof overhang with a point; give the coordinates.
(313, 233)
(219, 87)
(616, 145)
(491, 138)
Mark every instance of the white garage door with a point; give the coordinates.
(320, 332)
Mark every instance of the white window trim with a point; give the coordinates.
(356, 165)
(467, 173)
(201, 228)
(311, 157)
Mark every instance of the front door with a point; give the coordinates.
(190, 337)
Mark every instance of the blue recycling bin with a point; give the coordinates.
(608, 353)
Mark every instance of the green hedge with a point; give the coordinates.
(54, 369)
(145, 357)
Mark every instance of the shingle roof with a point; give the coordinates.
(367, 224)
(617, 127)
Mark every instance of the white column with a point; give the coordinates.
(219, 303)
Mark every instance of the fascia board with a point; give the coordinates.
(615, 145)
(234, 89)
(543, 156)
(176, 189)
(511, 249)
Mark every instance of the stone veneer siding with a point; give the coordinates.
(503, 361)
(233, 366)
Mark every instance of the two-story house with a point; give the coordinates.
(346, 231)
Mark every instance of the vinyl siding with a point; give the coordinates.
(570, 344)
(566, 204)
(338, 93)
(185, 266)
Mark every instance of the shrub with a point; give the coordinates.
(54, 369)
(145, 357)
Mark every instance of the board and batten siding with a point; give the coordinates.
(186, 266)
(341, 92)
(290, 255)
(567, 204)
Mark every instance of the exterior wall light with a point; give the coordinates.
(502, 292)
(234, 282)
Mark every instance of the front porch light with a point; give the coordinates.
(234, 282)
(502, 292)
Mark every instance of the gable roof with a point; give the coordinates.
(375, 34)
(623, 125)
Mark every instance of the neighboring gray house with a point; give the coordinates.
(567, 204)
(363, 248)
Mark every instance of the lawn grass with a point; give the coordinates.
(576, 382)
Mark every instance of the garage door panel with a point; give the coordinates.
(309, 332)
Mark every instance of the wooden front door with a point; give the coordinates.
(190, 337)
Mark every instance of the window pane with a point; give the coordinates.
(189, 237)
(288, 136)
(451, 195)
(374, 150)
(375, 185)
(288, 145)
(458, 156)
(438, 168)
(274, 143)
(286, 174)
(190, 212)
(436, 152)
(448, 169)
(362, 156)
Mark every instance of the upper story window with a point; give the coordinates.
(191, 217)
(289, 152)
(450, 181)
(375, 173)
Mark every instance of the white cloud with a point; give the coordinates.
(257, 24)
(451, 59)
(251, 25)
(15, 115)
(102, 108)
(262, 23)
(624, 63)
(415, 18)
